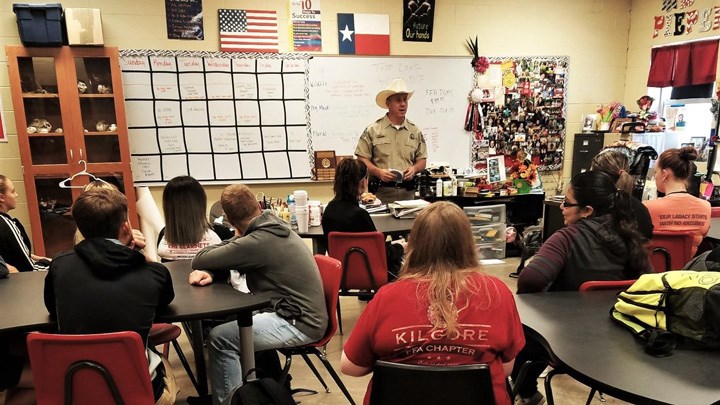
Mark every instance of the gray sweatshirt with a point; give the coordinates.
(277, 262)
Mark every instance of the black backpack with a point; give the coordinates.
(263, 391)
(529, 242)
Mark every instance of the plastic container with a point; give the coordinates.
(39, 24)
(486, 214)
(438, 188)
(314, 208)
(302, 217)
(495, 250)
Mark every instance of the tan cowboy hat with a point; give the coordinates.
(396, 87)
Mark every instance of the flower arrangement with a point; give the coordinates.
(524, 170)
(479, 63)
(645, 103)
(611, 111)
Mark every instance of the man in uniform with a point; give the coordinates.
(393, 143)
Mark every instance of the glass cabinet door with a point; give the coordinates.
(54, 202)
(43, 116)
(97, 109)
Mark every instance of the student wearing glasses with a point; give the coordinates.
(600, 242)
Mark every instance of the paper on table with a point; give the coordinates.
(486, 262)
(412, 203)
(151, 222)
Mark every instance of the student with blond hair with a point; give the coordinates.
(463, 315)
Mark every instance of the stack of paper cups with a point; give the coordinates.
(302, 212)
(301, 198)
(303, 218)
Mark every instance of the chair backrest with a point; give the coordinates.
(330, 272)
(670, 250)
(363, 259)
(606, 285)
(400, 384)
(715, 212)
(106, 368)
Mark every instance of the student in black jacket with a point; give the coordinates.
(14, 242)
(104, 284)
(344, 214)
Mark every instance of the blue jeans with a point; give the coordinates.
(269, 332)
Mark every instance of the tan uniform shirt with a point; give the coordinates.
(390, 148)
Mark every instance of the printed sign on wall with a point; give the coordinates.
(418, 17)
(305, 30)
(184, 19)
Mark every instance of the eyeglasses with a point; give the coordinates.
(569, 204)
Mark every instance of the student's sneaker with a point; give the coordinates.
(536, 399)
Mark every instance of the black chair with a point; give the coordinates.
(407, 384)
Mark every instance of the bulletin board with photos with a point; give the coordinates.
(524, 108)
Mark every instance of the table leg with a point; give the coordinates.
(199, 353)
(247, 346)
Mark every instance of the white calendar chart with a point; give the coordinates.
(219, 117)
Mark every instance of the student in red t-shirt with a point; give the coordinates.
(442, 304)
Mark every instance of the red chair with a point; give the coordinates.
(670, 250)
(715, 212)
(165, 334)
(605, 285)
(101, 368)
(364, 266)
(330, 271)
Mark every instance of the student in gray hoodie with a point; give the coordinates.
(276, 262)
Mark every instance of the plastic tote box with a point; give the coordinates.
(39, 24)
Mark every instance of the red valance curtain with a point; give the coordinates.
(683, 65)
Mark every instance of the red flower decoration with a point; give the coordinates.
(481, 64)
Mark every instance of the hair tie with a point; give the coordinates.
(622, 171)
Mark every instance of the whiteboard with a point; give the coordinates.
(342, 101)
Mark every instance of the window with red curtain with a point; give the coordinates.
(683, 65)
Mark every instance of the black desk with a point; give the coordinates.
(24, 309)
(385, 223)
(577, 330)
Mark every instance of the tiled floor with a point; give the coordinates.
(565, 389)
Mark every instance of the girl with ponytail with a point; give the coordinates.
(600, 241)
(616, 164)
(678, 211)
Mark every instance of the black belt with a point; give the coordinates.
(407, 185)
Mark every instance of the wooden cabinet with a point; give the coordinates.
(70, 115)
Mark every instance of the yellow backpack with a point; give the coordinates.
(676, 307)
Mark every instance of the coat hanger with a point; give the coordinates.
(67, 183)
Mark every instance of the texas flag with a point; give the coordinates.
(364, 34)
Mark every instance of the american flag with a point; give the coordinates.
(248, 31)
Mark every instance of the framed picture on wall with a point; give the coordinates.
(588, 122)
(698, 141)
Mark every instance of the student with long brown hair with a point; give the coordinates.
(343, 214)
(463, 315)
(616, 164)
